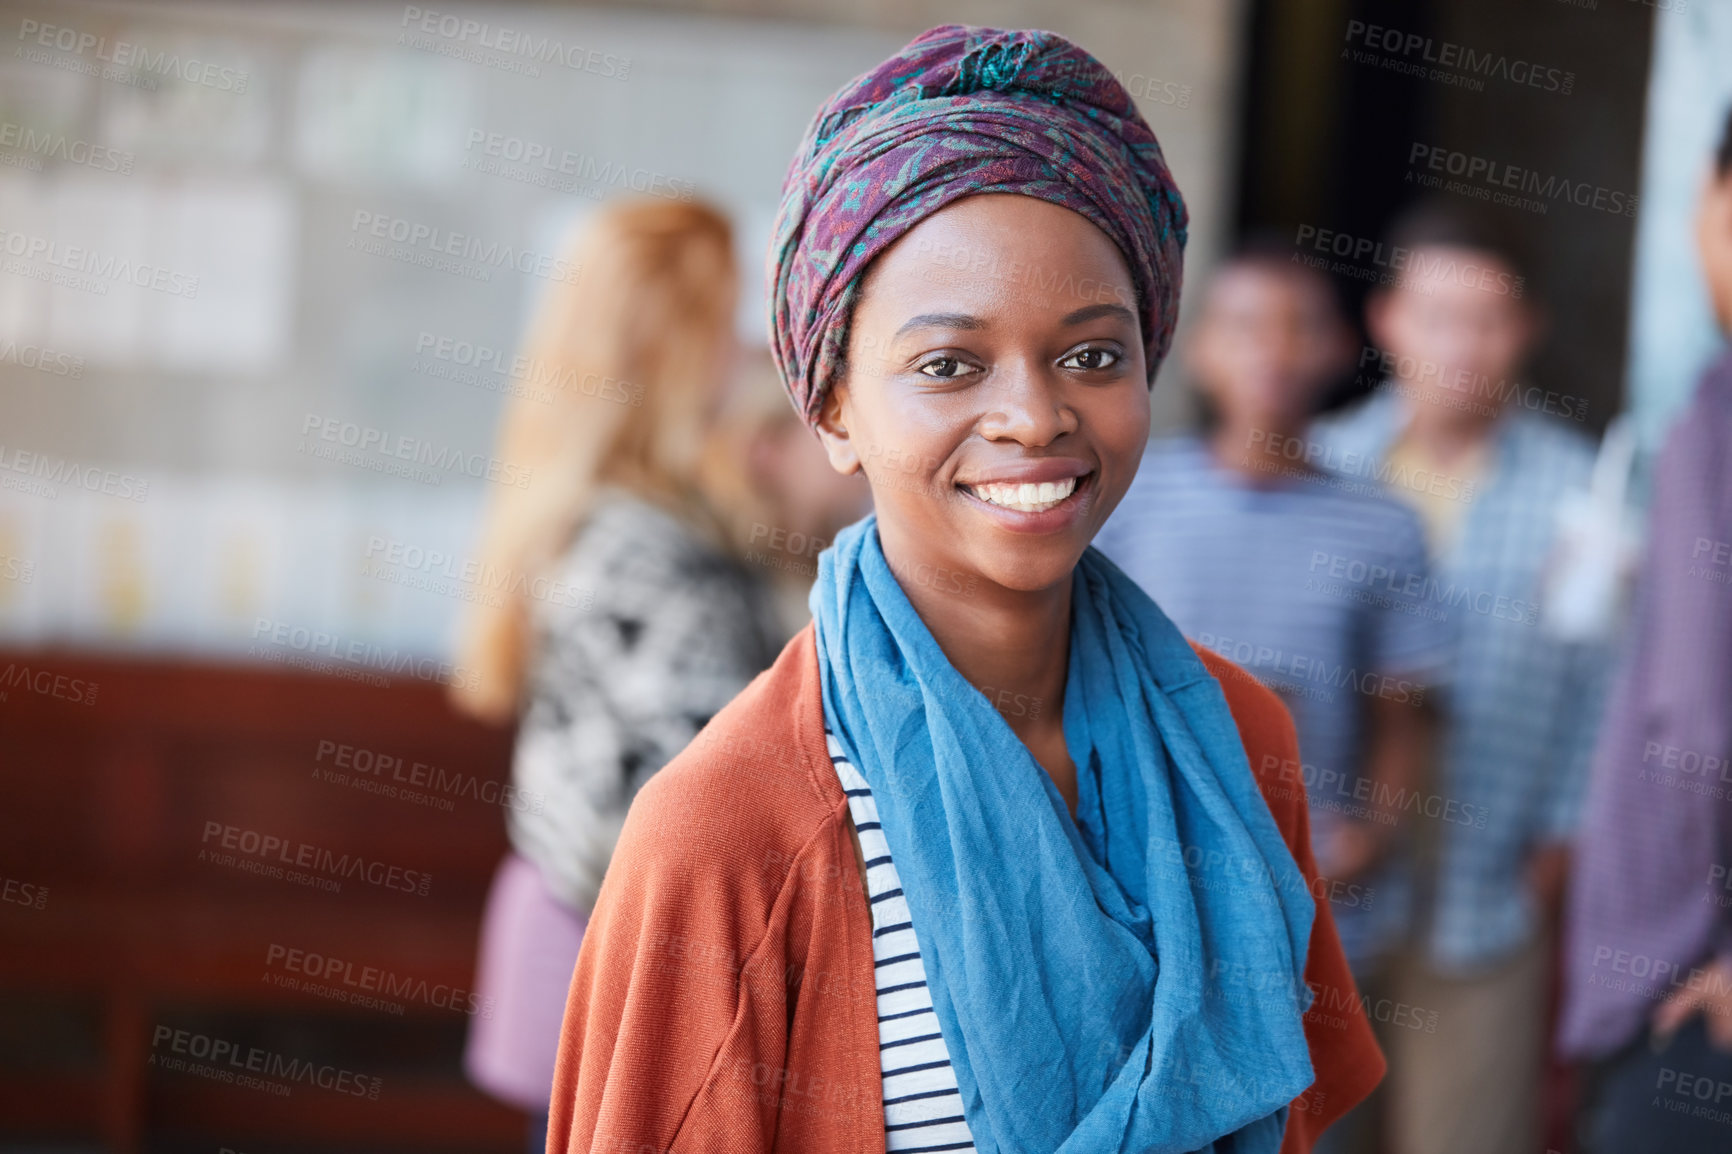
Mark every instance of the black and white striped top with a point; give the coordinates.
(922, 1108)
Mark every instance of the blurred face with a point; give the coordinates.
(1267, 342)
(996, 394)
(811, 498)
(1714, 245)
(1455, 331)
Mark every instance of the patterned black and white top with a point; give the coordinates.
(645, 631)
(922, 1108)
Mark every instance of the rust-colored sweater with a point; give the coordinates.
(724, 997)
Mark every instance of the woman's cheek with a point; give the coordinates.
(1122, 428)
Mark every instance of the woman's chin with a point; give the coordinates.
(1026, 567)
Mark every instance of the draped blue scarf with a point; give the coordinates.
(1128, 981)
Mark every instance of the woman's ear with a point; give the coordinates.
(832, 429)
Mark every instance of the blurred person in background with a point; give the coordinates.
(1304, 579)
(1488, 480)
(1648, 965)
(783, 502)
(870, 906)
(627, 621)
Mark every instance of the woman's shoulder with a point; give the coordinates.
(748, 798)
(1270, 739)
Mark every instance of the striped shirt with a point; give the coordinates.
(922, 1106)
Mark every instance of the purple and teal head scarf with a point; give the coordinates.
(960, 111)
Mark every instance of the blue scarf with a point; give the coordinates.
(1128, 981)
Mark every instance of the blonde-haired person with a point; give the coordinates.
(625, 621)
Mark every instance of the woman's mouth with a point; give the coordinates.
(1025, 497)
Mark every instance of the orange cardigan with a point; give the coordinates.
(724, 1000)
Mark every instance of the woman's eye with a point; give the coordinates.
(944, 368)
(1092, 360)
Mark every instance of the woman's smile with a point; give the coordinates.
(1029, 499)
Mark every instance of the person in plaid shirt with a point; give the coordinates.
(1457, 434)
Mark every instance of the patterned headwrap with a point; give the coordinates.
(959, 111)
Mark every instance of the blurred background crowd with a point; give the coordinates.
(392, 478)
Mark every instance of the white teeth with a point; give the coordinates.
(1027, 498)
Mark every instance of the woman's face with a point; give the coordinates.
(996, 393)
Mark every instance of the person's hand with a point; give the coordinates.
(1353, 848)
(1548, 868)
(1712, 996)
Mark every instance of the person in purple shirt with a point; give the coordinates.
(1648, 968)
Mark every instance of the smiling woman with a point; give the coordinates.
(872, 907)
(1028, 415)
